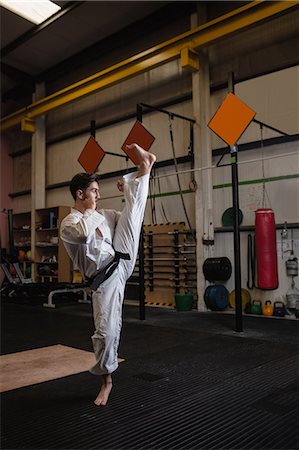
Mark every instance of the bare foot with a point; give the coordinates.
(104, 393)
(146, 159)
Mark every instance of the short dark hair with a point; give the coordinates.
(82, 181)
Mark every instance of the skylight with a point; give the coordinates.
(36, 11)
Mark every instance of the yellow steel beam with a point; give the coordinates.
(189, 59)
(237, 20)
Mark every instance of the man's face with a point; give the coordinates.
(92, 192)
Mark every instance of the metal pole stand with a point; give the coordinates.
(237, 253)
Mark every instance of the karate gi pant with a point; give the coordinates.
(107, 300)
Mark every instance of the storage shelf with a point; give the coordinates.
(50, 277)
(46, 263)
(47, 229)
(46, 245)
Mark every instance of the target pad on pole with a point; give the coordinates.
(138, 135)
(91, 155)
(231, 119)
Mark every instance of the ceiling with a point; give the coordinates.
(84, 35)
(32, 53)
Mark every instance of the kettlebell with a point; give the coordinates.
(279, 309)
(256, 307)
(268, 308)
(247, 309)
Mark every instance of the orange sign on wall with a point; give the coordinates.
(91, 155)
(231, 119)
(138, 135)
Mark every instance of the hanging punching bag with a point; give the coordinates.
(266, 255)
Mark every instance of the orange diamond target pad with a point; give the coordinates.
(231, 119)
(138, 135)
(91, 155)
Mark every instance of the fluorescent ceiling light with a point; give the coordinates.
(36, 11)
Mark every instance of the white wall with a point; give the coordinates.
(279, 169)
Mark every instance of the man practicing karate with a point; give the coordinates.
(103, 245)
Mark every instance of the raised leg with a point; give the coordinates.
(127, 232)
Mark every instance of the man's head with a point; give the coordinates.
(81, 182)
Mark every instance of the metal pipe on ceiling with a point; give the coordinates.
(202, 36)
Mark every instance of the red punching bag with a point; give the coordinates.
(266, 255)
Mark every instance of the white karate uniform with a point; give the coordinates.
(91, 252)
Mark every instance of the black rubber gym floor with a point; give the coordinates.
(188, 382)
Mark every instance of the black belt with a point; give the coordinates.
(101, 276)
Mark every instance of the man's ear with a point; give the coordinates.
(80, 194)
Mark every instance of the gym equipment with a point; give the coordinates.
(216, 297)
(268, 308)
(247, 309)
(231, 119)
(91, 155)
(266, 255)
(171, 117)
(292, 298)
(16, 285)
(283, 235)
(292, 294)
(72, 289)
(292, 267)
(45, 270)
(139, 135)
(217, 269)
(256, 307)
(245, 298)
(183, 302)
(22, 255)
(176, 239)
(169, 263)
(229, 122)
(227, 218)
(279, 309)
(19, 286)
(251, 261)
